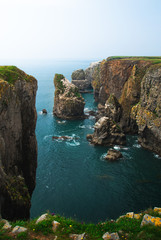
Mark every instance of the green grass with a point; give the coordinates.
(154, 60)
(130, 229)
(12, 73)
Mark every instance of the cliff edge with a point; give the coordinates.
(18, 146)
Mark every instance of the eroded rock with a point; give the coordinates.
(111, 236)
(147, 219)
(68, 102)
(107, 133)
(42, 218)
(113, 155)
(19, 229)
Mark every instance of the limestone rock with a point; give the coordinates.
(113, 155)
(158, 210)
(107, 133)
(147, 112)
(7, 225)
(78, 75)
(77, 236)
(68, 102)
(55, 225)
(110, 236)
(42, 218)
(113, 108)
(83, 79)
(147, 219)
(19, 229)
(18, 146)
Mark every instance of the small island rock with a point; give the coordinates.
(113, 155)
(68, 102)
(44, 111)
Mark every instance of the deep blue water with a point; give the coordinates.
(73, 179)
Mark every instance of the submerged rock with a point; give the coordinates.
(64, 138)
(107, 133)
(44, 111)
(113, 155)
(18, 146)
(68, 102)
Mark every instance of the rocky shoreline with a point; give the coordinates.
(129, 101)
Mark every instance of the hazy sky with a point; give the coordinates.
(82, 29)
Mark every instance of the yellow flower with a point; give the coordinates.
(70, 225)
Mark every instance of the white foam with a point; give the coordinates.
(102, 158)
(61, 122)
(156, 156)
(47, 136)
(116, 147)
(137, 145)
(73, 143)
(82, 126)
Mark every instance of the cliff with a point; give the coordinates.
(133, 85)
(18, 146)
(83, 78)
(68, 102)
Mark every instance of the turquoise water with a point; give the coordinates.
(73, 179)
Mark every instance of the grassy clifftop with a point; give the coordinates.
(152, 59)
(12, 73)
(128, 228)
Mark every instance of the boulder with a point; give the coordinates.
(111, 236)
(19, 229)
(7, 225)
(77, 236)
(44, 111)
(113, 155)
(147, 219)
(42, 218)
(55, 225)
(68, 102)
(107, 133)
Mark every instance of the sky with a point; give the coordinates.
(79, 29)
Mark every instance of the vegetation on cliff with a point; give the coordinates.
(128, 227)
(12, 73)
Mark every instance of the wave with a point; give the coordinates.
(116, 147)
(61, 122)
(73, 143)
(102, 158)
(47, 136)
(156, 156)
(137, 145)
(86, 126)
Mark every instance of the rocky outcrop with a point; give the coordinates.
(106, 133)
(147, 112)
(83, 78)
(18, 146)
(113, 155)
(68, 102)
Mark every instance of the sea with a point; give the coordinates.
(73, 178)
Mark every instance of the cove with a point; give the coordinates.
(73, 179)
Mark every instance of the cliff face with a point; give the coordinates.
(135, 83)
(68, 102)
(83, 78)
(18, 146)
(147, 112)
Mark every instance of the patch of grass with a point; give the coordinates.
(22, 236)
(58, 83)
(12, 73)
(154, 60)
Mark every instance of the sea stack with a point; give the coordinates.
(68, 102)
(18, 146)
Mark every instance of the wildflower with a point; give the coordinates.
(70, 225)
(33, 229)
(52, 214)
